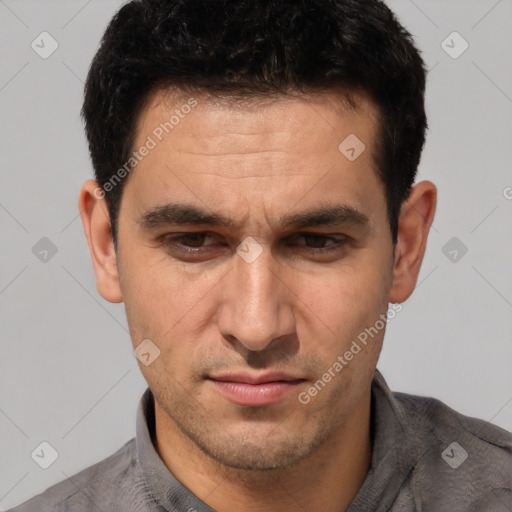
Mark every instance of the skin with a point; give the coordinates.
(290, 309)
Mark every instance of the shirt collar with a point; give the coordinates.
(161, 485)
(394, 451)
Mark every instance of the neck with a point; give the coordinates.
(328, 480)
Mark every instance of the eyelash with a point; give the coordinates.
(173, 241)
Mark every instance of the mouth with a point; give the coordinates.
(255, 390)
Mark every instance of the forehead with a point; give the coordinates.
(261, 122)
(256, 154)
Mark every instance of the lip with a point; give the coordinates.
(251, 391)
(256, 379)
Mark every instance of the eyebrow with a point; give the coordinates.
(180, 214)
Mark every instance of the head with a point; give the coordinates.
(299, 124)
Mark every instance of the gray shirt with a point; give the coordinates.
(426, 457)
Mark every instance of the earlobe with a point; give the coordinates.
(414, 225)
(96, 221)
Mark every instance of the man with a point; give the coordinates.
(255, 209)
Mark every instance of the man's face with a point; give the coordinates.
(294, 301)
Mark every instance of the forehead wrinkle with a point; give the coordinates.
(251, 176)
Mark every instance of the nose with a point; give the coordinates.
(257, 303)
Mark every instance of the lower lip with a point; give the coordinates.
(265, 393)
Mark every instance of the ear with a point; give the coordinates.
(96, 220)
(416, 217)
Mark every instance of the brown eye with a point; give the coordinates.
(187, 242)
(192, 239)
(320, 243)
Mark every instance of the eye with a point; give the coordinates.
(194, 244)
(318, 242)
(186, 242)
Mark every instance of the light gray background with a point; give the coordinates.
(67, 372)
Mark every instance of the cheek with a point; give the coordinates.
(170, 307)
(349, 299)
(164, 298)
(351, 304)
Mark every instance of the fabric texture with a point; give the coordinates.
(426, 457)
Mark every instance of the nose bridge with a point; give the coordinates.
(258, 282)
(255, 309)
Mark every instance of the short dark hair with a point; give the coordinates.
(258, 47)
